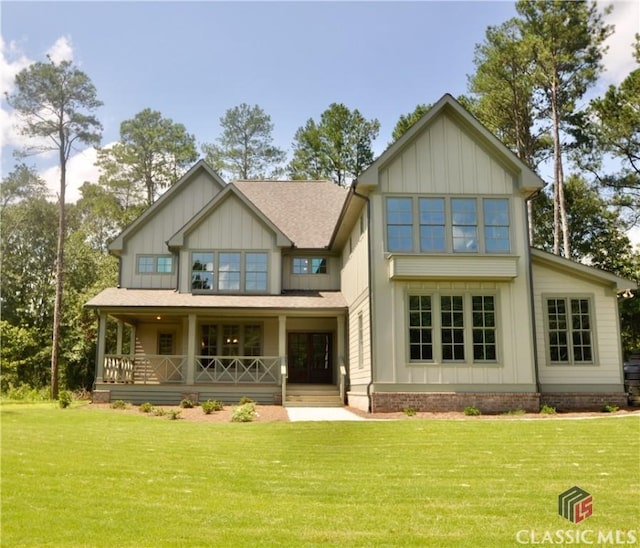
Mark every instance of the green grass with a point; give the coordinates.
(77, 477)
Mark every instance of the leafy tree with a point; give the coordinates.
(56, 103)
(566, 39)
(245, 149)
(338, 147)
(612, 127)
(152, 154)
(405, 121)
(21, 184)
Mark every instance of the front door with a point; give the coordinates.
(310, 358)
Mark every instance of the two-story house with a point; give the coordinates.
(415, 287)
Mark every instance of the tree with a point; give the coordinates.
(405, 121)
(152, 154)
(22, 183)
(566, 39)
(245, 149)
(337, 148)
(612, 127)
(56, 102)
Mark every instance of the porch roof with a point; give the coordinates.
(168, 298)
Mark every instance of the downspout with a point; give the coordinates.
(370, 282)
(536, 366)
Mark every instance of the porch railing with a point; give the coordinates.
(238, 369)
(144, 369)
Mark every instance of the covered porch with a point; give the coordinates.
(164, 354)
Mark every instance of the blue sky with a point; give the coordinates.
(194, 60)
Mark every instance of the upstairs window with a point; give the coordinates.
(154, 264)
(229, 271)
(448, 225)
(309, 265)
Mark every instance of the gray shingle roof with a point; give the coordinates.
(306, 211)
(160, 298)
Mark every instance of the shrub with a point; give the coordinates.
(174, 414)
(187, 404)
(471, 411)
(409, 411)
(244, 413)
(547, 409)
(65, 398)
(119, 404)
(210, 406)
(146, 407)
(24, 392)
(515, 412)
(158, 412)
(610, 408)
(245, 399)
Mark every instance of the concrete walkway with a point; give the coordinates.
(321, 414)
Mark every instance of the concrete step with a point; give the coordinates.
(313, 404)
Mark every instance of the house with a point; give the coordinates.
(415, 287)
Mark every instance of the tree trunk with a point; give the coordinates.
(57, 307)
(557, 172)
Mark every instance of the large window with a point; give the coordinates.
(154, 264)
(229, 271)
(569, 330)
(458, 225)
(231, 340)
(309, 265)
(452, 328)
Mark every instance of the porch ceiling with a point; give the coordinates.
(120, 298)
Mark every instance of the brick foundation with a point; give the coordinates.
(440, 402)
(101, 396)
(576, 401)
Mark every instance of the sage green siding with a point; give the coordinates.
(311, 282)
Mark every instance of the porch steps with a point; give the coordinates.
(313, 395)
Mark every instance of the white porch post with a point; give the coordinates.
(132, 341)
(102, 335)
(282, 336)
(340, 342)
(191, 349)
(119, 331)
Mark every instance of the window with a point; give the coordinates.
(459, 225)
(165, 344)
(569, 330)
(464, 224)
(452, 328)
(400, 224)
(420, 328)
(309, 265)
(231, 340)
(496, 225)
(229, 271)
(255, 277)
(155, 264)
(432, 224)
(202, 271)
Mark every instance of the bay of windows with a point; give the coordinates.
(569, 330)
(439, 225)
(452, 328)
(229, 271)
(231, 340)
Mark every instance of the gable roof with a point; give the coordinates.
(578, 269)
(528, 180)
(306, 211)
(177, 240)
(117, 244)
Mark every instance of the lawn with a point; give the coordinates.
(78, 477)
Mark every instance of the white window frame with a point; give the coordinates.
(567, 298)
(468, 328)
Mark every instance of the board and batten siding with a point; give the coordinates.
(607, 369)
(231, 227)
(445, 159)
(152, 236)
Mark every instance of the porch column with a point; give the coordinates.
(102, 335)
(282, 337)
(340, 339)
(119, 331)
(191, 349)
(132, 341)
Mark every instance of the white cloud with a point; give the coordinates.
(619, 61)
(61, 50)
